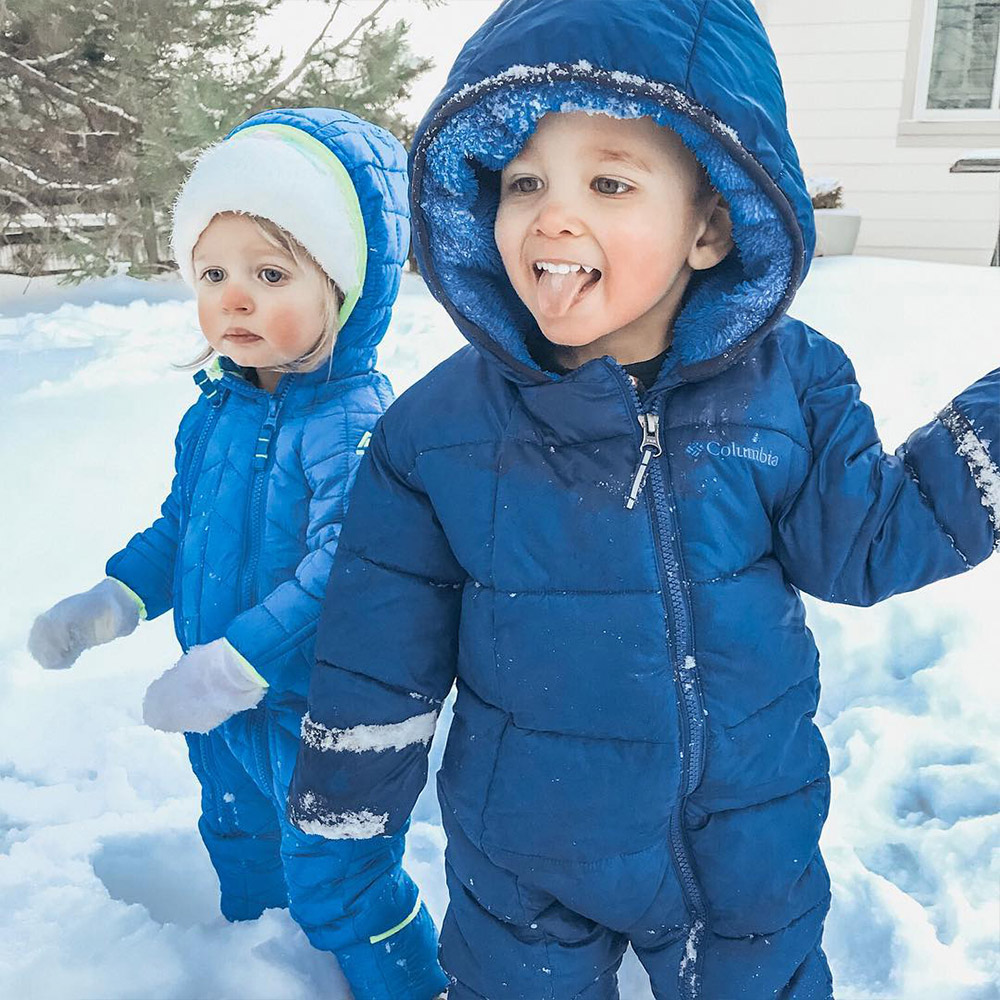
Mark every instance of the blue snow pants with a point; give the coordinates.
(506, 936)
(351, 897)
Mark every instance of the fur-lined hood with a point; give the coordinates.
(705, 70)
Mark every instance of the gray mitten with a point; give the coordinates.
(98, 615)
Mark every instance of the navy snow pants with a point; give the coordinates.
(507, 937)
(351, 897)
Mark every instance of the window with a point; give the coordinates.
(962, 66)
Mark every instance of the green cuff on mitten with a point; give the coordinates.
(135, 597)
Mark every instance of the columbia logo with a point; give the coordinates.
(731, 449)
(363, 443)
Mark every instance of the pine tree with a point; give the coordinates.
(106, 104)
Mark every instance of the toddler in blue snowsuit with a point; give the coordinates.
(597, 518)
(292, 232)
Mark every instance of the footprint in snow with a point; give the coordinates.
(167, 872)
(958, 787)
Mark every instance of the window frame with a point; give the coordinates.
(920, 126)
(921, 92)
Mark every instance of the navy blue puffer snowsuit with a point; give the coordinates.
(633, 757)
(243, 549)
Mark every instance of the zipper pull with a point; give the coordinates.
(650, 448)
(266, 433)
(208, 387)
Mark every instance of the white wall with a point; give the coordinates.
(843, 63)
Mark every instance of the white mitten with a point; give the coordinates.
(202, 689)
(98, 615)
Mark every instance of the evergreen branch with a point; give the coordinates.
(364, 22)
(48, 60)
(36, 77)
(54, 222)
(15, 196)
(265, 99)
(58, 185)
(328, 57)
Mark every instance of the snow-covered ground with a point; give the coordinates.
(107, 891)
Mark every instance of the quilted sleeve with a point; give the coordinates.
(146, 564)
(865, 524)
(386, 657)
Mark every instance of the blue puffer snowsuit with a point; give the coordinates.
(633, 757)
(243, 549)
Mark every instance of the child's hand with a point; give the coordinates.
(98, 615)
(202, 689)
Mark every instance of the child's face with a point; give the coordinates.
(621, 203)
(256, 305)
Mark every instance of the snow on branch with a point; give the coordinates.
(48, 60)
(69, 233)
(57, 185)
(37, 78)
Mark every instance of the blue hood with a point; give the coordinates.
(705, 70)
(376, 163)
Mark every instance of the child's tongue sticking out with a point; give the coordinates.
(557, 292)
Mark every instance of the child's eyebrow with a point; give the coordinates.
(275, 252)
(621, 156)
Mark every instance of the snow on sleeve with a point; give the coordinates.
(358, 739)
(309, 817)
(985, 474)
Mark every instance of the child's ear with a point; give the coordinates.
(715, 236)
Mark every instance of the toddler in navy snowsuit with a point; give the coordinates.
(597, 519)
(292, 232)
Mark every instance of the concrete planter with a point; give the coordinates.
(836, 231)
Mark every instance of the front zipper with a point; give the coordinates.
(686, 683)
(257, 736)
(255, 509)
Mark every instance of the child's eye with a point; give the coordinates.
(524, 185)
(609, 185)
(272, 275)
(213, 275)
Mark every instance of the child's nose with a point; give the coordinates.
(557, 217)
(235, 299)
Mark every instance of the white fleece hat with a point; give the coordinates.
(282, 173)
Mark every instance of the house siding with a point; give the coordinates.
(844, 65)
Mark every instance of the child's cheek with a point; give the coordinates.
(508, 234)
(208, 318)
(648, 265)
(289, 327)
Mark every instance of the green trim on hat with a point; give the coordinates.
(325, 159)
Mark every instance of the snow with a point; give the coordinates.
(107, 889)
(689, 959)
(822, 185)
(985, 161)
(984, 472)
(583, 70)
(358, 739)
(361, 825)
